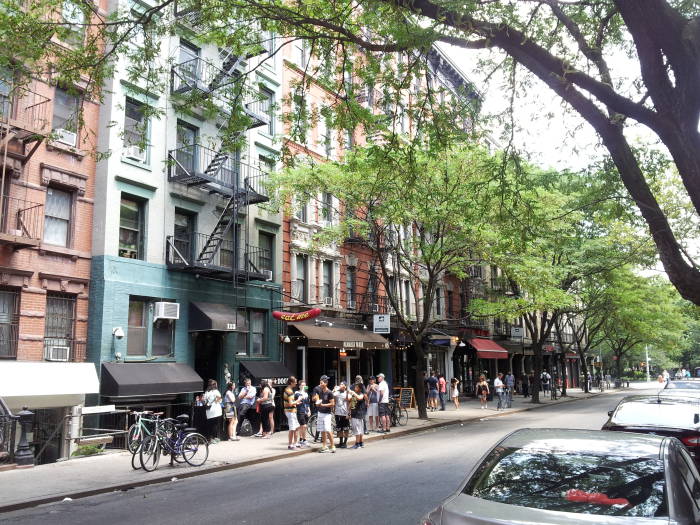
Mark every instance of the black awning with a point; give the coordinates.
(212, 316)
(148, 379)
(274, 371)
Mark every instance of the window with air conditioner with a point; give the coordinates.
(64, 124)
(151, 327)
(135, 131)
(59, 327)
(328, 283)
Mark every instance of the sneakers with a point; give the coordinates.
(258, 435)
(291, 447)
(332, 450)
(324, 450)
(362, 445)
(356, 446)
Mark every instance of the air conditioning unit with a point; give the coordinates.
(351, 304)
(391, 311)
(133, 152)
(268, 275)
(166, 310)
(58, 353)
(328, 301)
(375, 308)
(64, 136)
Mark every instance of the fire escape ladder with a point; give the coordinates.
(229, 68)
(214, 241)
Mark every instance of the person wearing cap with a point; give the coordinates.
(372, 404)
(384, 413)
(342, 413)
(325, 403)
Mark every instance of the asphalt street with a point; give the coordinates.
(395, 481)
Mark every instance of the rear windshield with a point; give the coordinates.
(572, 482)
(668, 413)
(685, 385)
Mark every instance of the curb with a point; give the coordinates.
(231, 466)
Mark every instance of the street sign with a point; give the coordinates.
(517, 332)
(382, 324)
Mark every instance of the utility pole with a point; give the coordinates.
(646, 350)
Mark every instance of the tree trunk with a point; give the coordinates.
(420, 381)
(537, 349)
(584, 370)
(563, 375)
(618, 366)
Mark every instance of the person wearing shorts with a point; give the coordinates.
(358, 409)
(303, 411)
(290, 410)
(324, 403)
(372, 404)
(384, 411)
(342, 414)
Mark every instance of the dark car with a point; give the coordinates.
(557, 476)
(662, 415)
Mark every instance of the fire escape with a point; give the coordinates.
(219, 172)
(24, 124)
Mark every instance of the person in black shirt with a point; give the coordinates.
(358, 409)
(315, 394)
(325, 403)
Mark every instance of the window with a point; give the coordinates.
(135, 131)
(231, 242)
(268, 42)
(65, 117)
(9, 322)
(351, 285)
(268, 108)
(327, 280)
(6, 82)
(162, 337)
(325, 135)
(300, 54)
(407, 297)
(299, 289)
(450, 309)
(299, 131)
(57, 217)
(131, 229)
(257, 332)
(438, 301)
(349, 139)
(266, 243)
(186, 140)
(137, 332)
(327, 208)
(59, 327)
(184, 235)
(241, 334)
(188, 60)
(74, 20)
(301, 213)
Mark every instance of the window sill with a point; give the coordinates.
(62, 250)
(151, 359)
(137, 164)
(54, 145)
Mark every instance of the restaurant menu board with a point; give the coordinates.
(406, 398)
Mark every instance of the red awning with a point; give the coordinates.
(488, 349)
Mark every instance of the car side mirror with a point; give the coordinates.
(610, 413)
(696, 419)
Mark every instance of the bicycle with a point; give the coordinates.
(142, 427)
(182, 445)
(312, 423)
(398, 415)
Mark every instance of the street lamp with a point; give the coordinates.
(646, 350)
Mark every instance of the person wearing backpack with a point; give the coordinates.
(545, 378)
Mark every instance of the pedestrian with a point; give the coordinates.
(544, 379)
(454, 391)
(315, 393)
(666, 375)
(510, 386)
(499, 387)
(290, 410)
(271, 414)
(482, 391)
(342, 413)
(212, 400)
(442, 390)
(324, 404)
(246, 407)
(661, 379)
(373, 404)
(230, 411)
(525, 382)
(265, 406)
(358, 408)
(383, 400)
(303, 411)
(360, 381)
(432, 391)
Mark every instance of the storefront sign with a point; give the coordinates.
(382, 324)
(517, 332)
(353, 344)
(295, 317)
(275, 381)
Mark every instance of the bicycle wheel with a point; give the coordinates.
(403, 417)
(149, 455)
(195, 449)
(311, 425)
(134, 438)
(136, 458)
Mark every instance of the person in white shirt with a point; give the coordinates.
(500, 391)
(212, 400)
(383, 393)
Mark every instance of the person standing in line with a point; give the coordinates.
(525, 382)
(246, 398)
(499, 386)
(315, 393)
(230, 411)
(373, 404)
(342, 413)
(303, 411)
(358, 408)
(442, 390)
(271, 415)
(324, 403)
(432, 391)
(265, 407)
(544, 379)
(384, 413)
(482, 391)
(510, 388)
(212, 400)
(454, 391)
(290, 410)
(361, 382)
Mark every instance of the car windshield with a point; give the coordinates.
(683, 385)
(665, 412)
(572, 482)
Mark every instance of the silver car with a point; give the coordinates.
(558, 476)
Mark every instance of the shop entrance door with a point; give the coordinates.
(208, 347)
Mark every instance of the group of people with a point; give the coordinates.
(436, 390)
(357, 409)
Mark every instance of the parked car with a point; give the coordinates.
(550, 476)
(662, 415)
(682, 384)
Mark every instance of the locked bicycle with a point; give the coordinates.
(183, 444)
(143, 426)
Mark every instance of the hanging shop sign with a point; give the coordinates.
(295, 317)
(382, 324)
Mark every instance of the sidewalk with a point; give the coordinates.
(88, 476)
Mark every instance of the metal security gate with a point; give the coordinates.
(9, 322)
(59, 342)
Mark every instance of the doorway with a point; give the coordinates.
(208, 348)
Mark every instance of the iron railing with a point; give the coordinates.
(21, 219)
(63, 349)
(199, 74)
(8, 434)
(373, 303)
(26, 110)
(183, 254)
